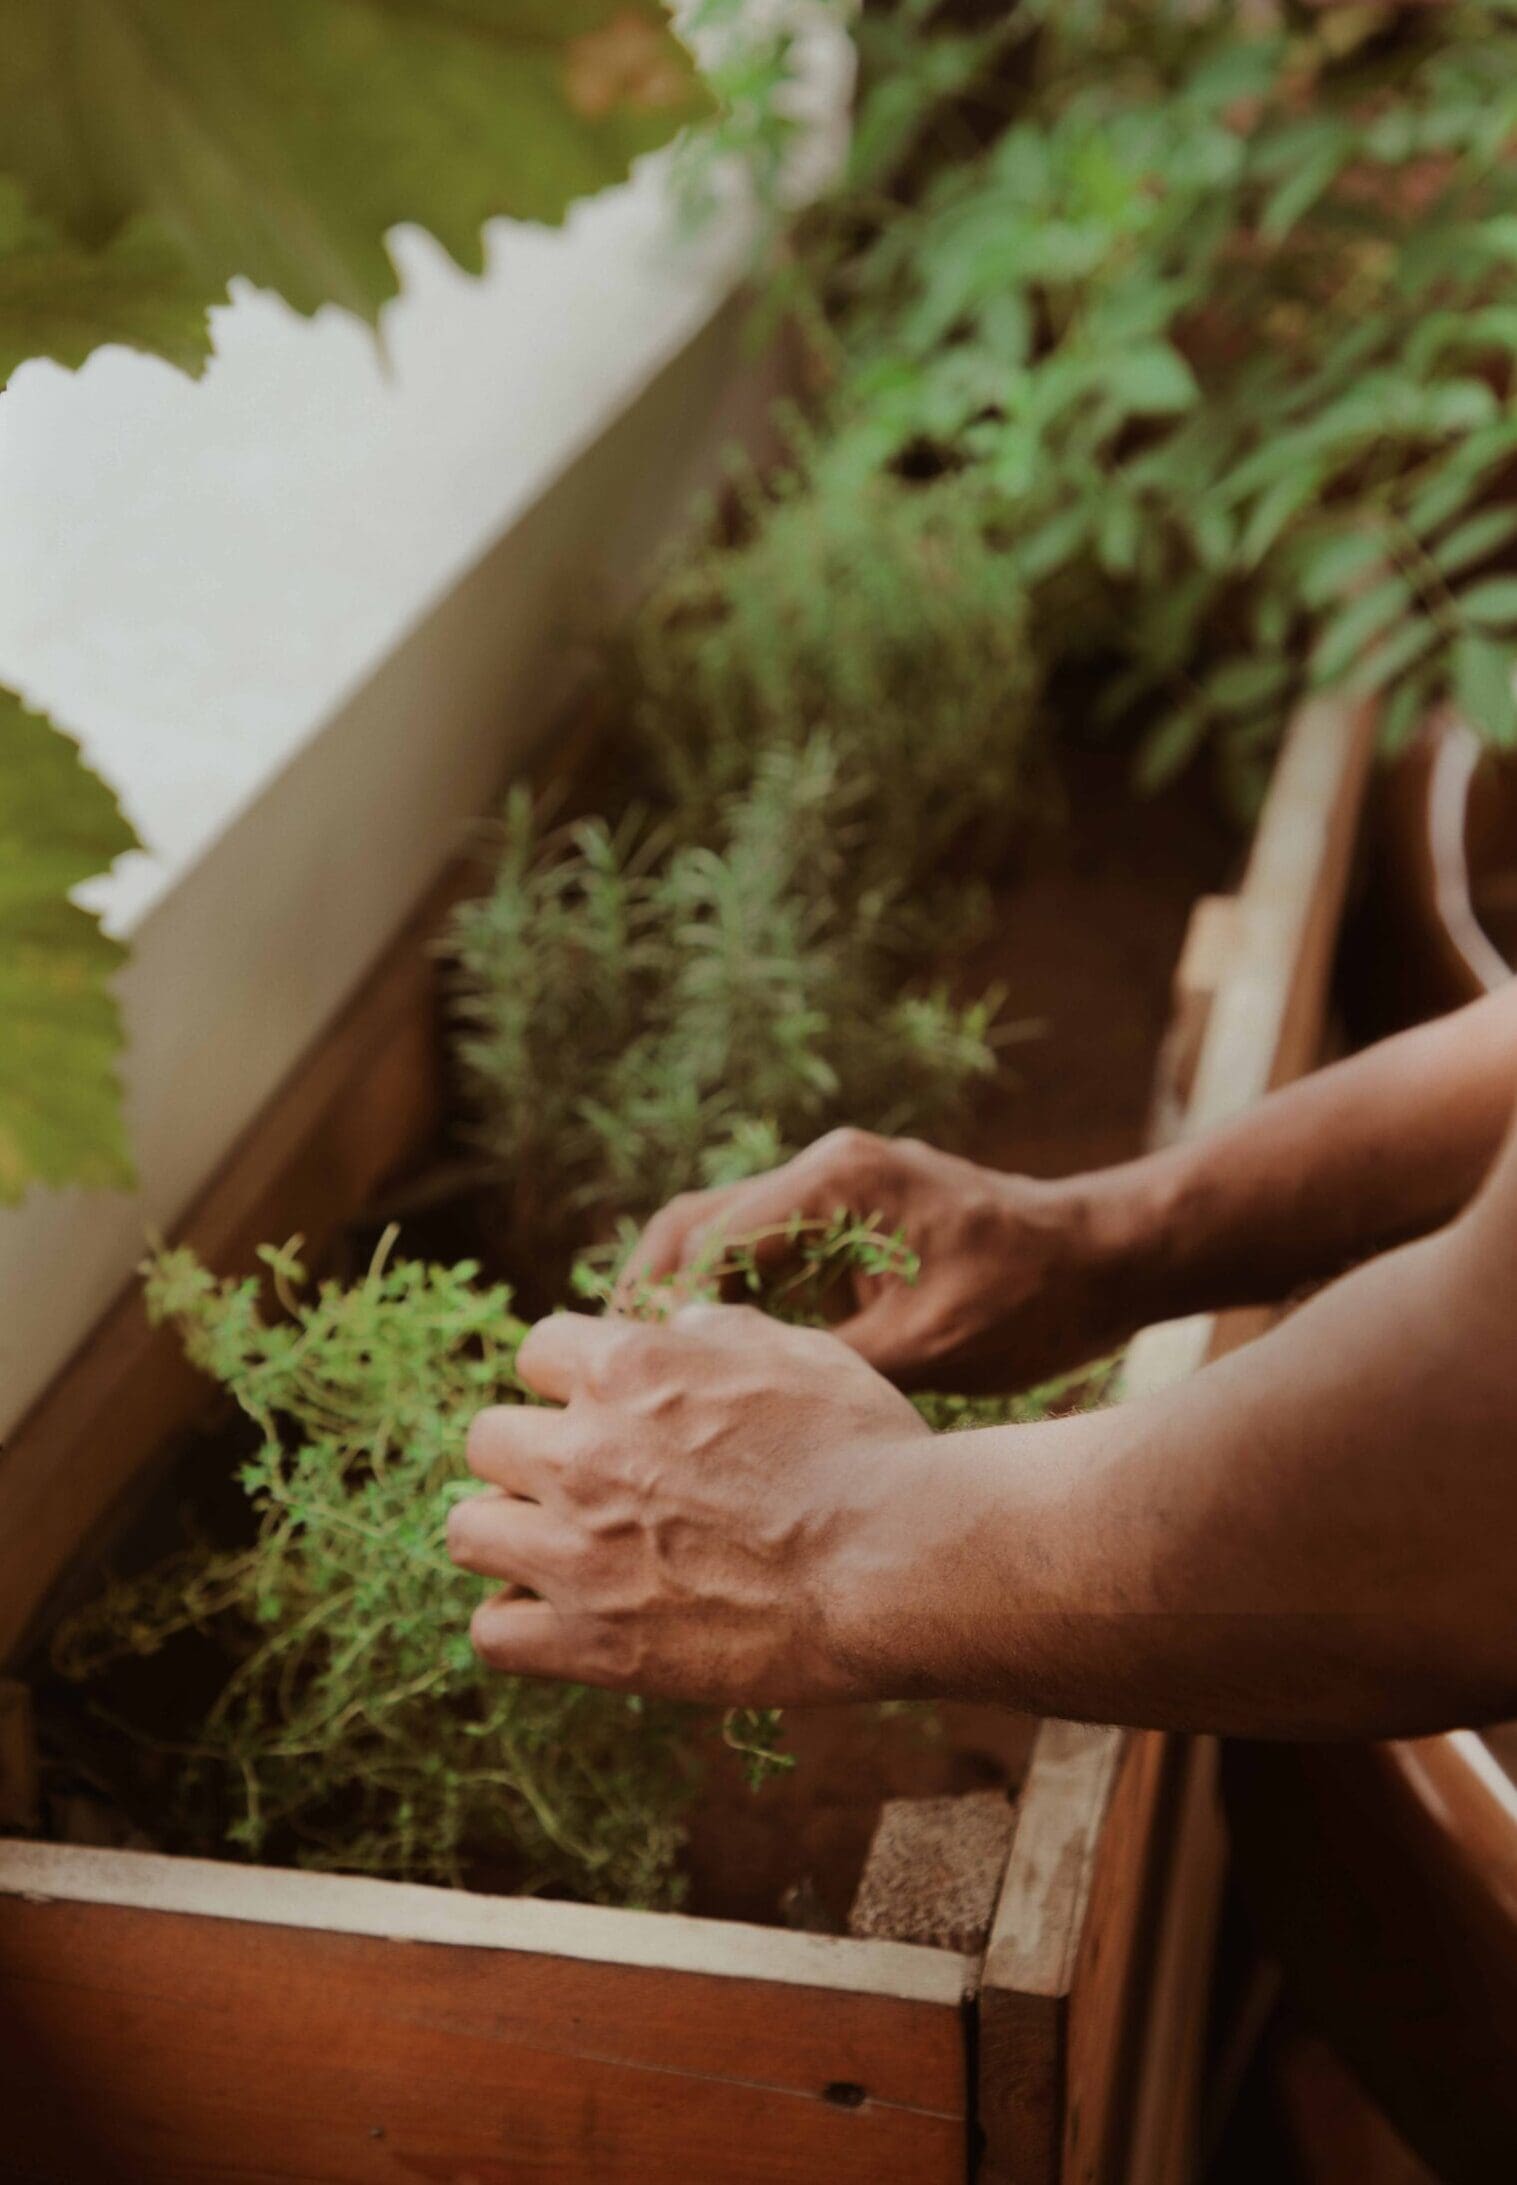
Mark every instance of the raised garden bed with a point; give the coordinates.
(166, 2019)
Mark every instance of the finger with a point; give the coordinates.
(559, 1352)
(766, 1217)
(521, 1447)
(534, 1639)
(876, 1335)
(660, 1250)
(495, 1535)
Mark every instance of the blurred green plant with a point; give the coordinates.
(886, 618)
(148, 152)
(1214, 305)
(637, 1012)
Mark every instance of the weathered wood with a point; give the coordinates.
(1069, 1921)
(1167, 2094)
(1090, 2031)
(166, 2022)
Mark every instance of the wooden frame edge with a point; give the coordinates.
(1252, 987)
(543, 1927)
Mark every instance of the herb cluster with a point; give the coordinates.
(355, 1727)
(644, 1006)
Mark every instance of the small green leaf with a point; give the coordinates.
(1301, 189)
(1348, 632)
(1392, 655)
(1492, 604)
(1483, 673)
(1475, 538)
(1170, 745)
(1402, 716)
(1327, 567)
(1238, 686)
(1151, 381)
(1273, 511)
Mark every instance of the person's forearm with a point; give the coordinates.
(1365, 1154)
(1317, 1536)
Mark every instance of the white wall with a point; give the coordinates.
(304, 613)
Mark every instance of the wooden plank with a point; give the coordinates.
(1167, 2101)
(1069, 1918)
(142, 1881)
(164, 2048)
(1074, 2056)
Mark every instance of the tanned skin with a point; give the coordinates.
(1315, 1536)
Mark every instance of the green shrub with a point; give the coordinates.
(355, 1727)
(883, 616)
(639, 1014)
(1214, 309)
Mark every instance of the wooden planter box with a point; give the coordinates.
(166, 2020)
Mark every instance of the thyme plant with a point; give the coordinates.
(354, 1727)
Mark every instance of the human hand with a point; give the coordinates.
(694, 1510)
(1019, 1279)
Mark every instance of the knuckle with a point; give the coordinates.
(847, 1149)
(615, 1650)
(614, 1365)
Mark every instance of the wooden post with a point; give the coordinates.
(1092, 2011)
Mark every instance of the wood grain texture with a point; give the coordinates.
(1090, 2014)
(159, 2048)
(144, 1881)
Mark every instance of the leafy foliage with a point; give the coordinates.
(1214, 306)
(750, 60)
(355, 1722)
(59, 301)
(639, 1013)
(886, 618)
(60, 1096)
(355, 1727)
(282, 142)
